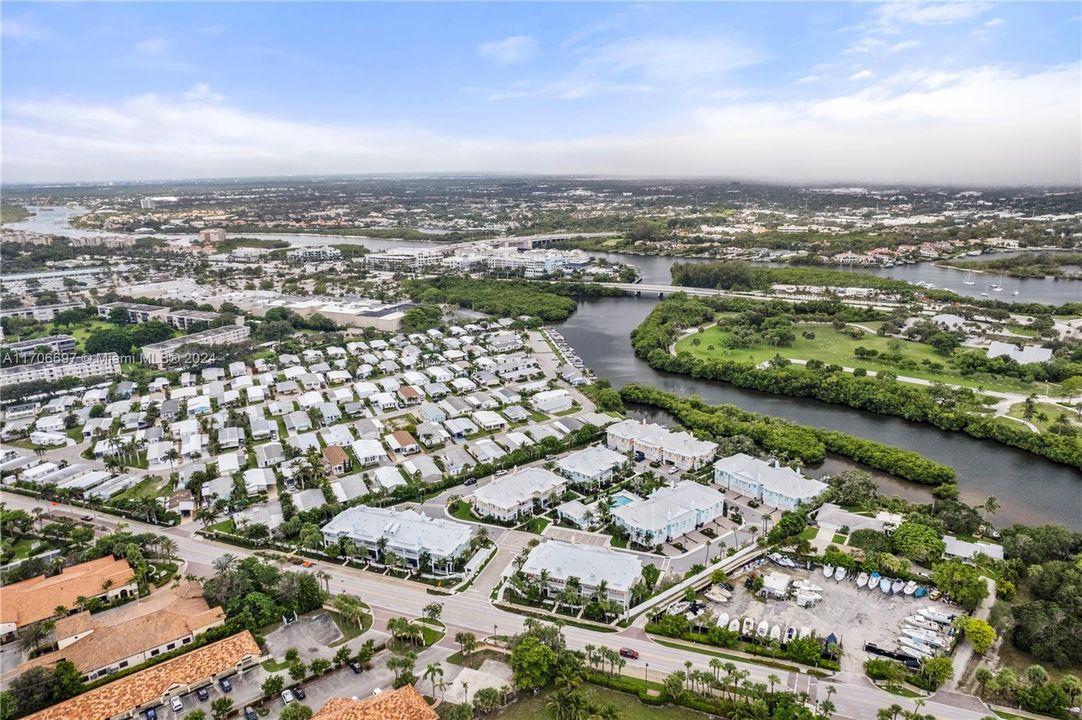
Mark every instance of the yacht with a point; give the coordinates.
(913, 647)
(921, 622)
(936, 616)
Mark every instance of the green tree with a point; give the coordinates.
(196, 715)
(221, 708)
(532, 663)
(67, 681)
(979, 633)
(938, 670)
(273, 685)
(918, 542)
(295, 711)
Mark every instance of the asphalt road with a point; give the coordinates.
(471, 610)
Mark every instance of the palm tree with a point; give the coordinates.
(224, 563)
(431, 673)
(324, 577)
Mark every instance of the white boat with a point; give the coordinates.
(897, 586)
(734, 625)
(790, 633)
(763, 629)
(805, 632)
(839, 573)
(775, 633)
(828, 570)
(873, 580)
(910, 587)
(926, 637)
(748, 627)
(884, 585)
(913, 647)
(723, 620)
(678, 607)
(935, 616)
(969, 279)
(806, 585)
(997, 288)
(922, 622)
(862, 580)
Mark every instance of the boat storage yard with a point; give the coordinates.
(802, 599)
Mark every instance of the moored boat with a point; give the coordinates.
(790, 633)
(748, 627)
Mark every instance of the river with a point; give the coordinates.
(1030, 490)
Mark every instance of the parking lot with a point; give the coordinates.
(855, 616)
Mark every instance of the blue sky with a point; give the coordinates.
(956, 92)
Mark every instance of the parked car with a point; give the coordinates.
(298, 692)
(151, 714)
(176, 704)
(356, 667)
(501, 473)
(629, 653)
(249, 713)
(202, 693)
(287, 697)
(87, 518)
(225, 685)
(470, 481)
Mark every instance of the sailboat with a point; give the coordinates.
(997, 287)
(969, 279)
(1017, 287)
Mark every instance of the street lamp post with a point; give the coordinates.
(495, 631)
(646, 677)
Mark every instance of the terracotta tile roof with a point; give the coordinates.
(335, 455)
(135, 628)
(147, 686)
(405, 703)
(30, 601)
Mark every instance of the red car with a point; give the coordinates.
(629, 653)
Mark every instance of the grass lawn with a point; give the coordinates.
(835, 347)
(808, 533)
(1050, 411)
(431, 630)
(903, 691)
(529, 707)
(839, 539)
(348, 629)
(535, 525)
(148, 488)
(22, 549)
(476, 658)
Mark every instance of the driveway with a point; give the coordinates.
(311, 635)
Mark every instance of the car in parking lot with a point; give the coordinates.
(202, 693)
(151, 714)
(629, 653)
(356, 667)
(176, 704)
(298, 692)
(249, 714)
(225, 685)
(287, 697)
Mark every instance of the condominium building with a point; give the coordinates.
(773, 485)
(670, 512)
(184, 319)
(594, 567)
(404, 258)
(591, 466)
(511, 496)
(212, 235)
(41, 313)
(164, 353)
(83, 366)
(406, 533)
(321, 253)
(137, 312)
(660, 444)
(54, 344)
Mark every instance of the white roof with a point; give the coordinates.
(589, 563)
(1027, 353)
(405, 529)
(388, 477)
(592, 461)
(780, 480)
(649, 433)
(509, 491)
(965, 549)
(653, 513)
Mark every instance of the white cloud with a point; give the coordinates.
(202, 91)
(995, 22)
(151, 46)
(891, 15)
(904, 45)
(985, 125)
(509, 50)
(809, 79)
(24, 28)
(860, 75)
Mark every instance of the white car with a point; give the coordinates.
(176, 704)
(287, 697)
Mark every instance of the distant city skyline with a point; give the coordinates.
(974, 93)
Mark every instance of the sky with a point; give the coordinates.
(976, 93)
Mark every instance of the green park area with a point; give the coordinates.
(536, 707)
(820, 341)
(1046, 416)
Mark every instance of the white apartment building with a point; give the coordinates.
(83, 366)
(660, 444)
(670, 512)
(514, 495)
(551, 401)
(773, 485)
(212, 235)
(408, 534)
(591, 466)
(160, 354)
(592, 565)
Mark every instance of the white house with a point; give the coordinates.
(407, 533)
(660, 444)
(591, 466)
(551, 401)
(773, 485)
(368, 452)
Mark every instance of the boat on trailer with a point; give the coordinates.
(862, 579)
(828, 570)
(910, 587)
(884, 585)
(839, 573)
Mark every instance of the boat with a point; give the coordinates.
(897, 586)
(790, 634)
(936, 616)
(862, 580)
(969, 279)
(839, 573)
(911, 646)
(806, 585)
(927, 637)
(910, 587)
(873, 580)
(805, 632)
(723, 620)
(678, 607)
(775, 633)
(763, 629)
(734, 625)
(828, 570)
(884, 585)
(921, 622)
(920, 592)
(749, 625)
